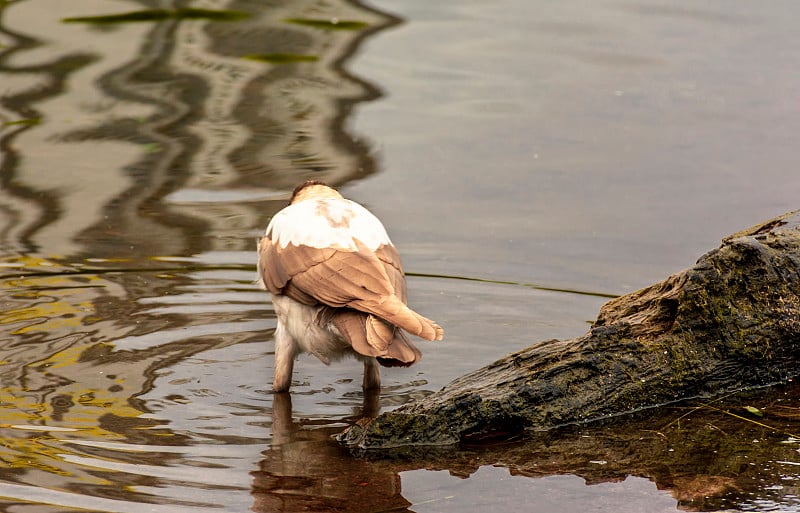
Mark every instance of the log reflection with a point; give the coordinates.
(709, 456)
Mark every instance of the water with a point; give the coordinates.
(529, 159)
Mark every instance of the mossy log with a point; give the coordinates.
(731, 322)
(711, 455)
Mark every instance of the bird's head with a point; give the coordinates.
(313, 189)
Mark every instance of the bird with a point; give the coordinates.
(338, 287)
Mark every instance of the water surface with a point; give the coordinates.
(529, 159)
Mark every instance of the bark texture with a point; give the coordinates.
(729, 323)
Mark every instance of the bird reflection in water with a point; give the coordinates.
(306, 470)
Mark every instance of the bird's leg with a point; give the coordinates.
(282, 426)
(372, 374)
(285, 353)
(372, 403)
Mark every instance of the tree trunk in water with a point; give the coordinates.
(731, 322)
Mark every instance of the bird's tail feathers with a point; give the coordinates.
(395, 312)
(371, 336)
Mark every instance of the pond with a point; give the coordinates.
(529, 159)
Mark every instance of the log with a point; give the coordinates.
(711, 455)
(731, 322)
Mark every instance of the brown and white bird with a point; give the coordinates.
(337, 286)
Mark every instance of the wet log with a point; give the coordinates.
(732, 453)
(731, 322)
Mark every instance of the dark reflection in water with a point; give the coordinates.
(197, 120)
(305, 471)
(709, 456)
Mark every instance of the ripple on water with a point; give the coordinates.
(125, 387)
(86, 423)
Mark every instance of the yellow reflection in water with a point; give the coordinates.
(48, 303)
(58, 378)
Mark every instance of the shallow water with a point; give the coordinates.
(529, 159)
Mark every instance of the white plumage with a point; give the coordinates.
(328, 223)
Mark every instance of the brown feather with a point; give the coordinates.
(394, 311)
(370, 336)
(401, 352)
(343, 278)
(270, 267)
(298, 295)
(390, 258)
(362, 280)
(352, 326)
(379, 333)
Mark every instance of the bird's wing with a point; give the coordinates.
(336, 278)
(274, 276)
(390, 258)
(354, 279)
